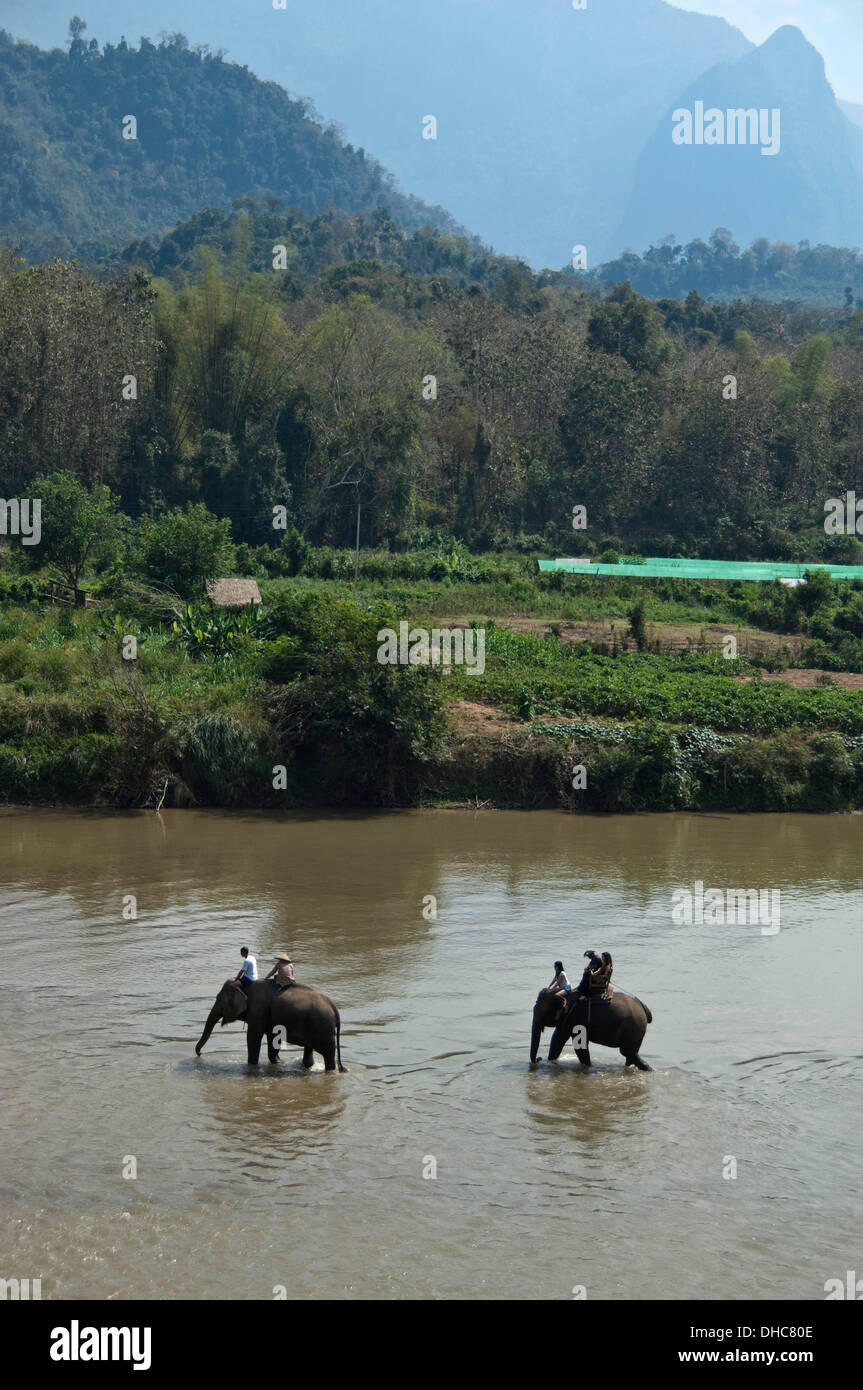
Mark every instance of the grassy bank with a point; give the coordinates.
(292, 708)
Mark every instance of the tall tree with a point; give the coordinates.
(80, 528)
(362, 378)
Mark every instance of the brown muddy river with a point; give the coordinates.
(251, 1180)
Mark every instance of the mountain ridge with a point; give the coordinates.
(207, 132)
(604, 174)
(542, 110)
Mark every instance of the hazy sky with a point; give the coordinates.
(835, 27)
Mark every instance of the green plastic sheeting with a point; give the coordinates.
(765, 570)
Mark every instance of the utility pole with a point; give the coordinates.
(357, 556)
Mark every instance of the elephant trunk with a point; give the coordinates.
(535, 1038)
(214, 1015)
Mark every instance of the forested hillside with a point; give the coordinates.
(384, 421)
(207, 131)
(252, 231)
(211, 134)
(830, 277)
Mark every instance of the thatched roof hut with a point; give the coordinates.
(233, 593)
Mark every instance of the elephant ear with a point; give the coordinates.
(236, 999)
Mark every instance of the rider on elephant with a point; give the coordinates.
(249, 968)
(283, 971)
(600, 980)
(560, 985)
(585, 986)
(596, 981)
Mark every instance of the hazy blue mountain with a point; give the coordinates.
(853, 111)
(542, 110)
(553, 123)
(811, 190)
(834, 27)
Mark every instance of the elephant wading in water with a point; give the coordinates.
(298, 1015)
(620, 1022)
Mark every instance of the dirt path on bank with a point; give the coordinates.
(808, 678)
(472, 717)
(672, 637)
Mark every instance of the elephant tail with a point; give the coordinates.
(339, 1044)
(647, 1013)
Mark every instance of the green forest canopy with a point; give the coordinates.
(431, 385)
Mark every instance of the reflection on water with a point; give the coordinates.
(282, 1112)
(756, 1047)
(586, 1109)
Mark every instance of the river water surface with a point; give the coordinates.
(546, 1178)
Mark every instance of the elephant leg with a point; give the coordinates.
(633, 1060)
(308, 1057)
(272, 1050)
(329, 1055)
(583, 1055)
(253, 1044)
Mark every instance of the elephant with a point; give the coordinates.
(619, 1022)
(305, 1017)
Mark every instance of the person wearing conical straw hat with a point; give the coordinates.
(282, 973)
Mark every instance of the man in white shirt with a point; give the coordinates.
(249, 968)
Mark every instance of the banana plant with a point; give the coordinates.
(113, 626)
(213, 633)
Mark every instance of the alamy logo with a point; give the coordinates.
(76, 1343)
(852, 1287)
(736, 126)
(416, 646)
(734, 906)
(20, 1290)
(844, 515)
(21, 518)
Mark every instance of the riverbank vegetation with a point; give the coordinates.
(288, 705)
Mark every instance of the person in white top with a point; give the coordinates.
(249, 967)
(560, 984)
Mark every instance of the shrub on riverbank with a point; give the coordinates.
(212, 724)
(354, 732)
(649, 768)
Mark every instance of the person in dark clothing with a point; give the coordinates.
(586, 984)
(600, 980)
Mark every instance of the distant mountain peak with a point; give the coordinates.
(812, 189)
(789, 37)
(790, 48)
